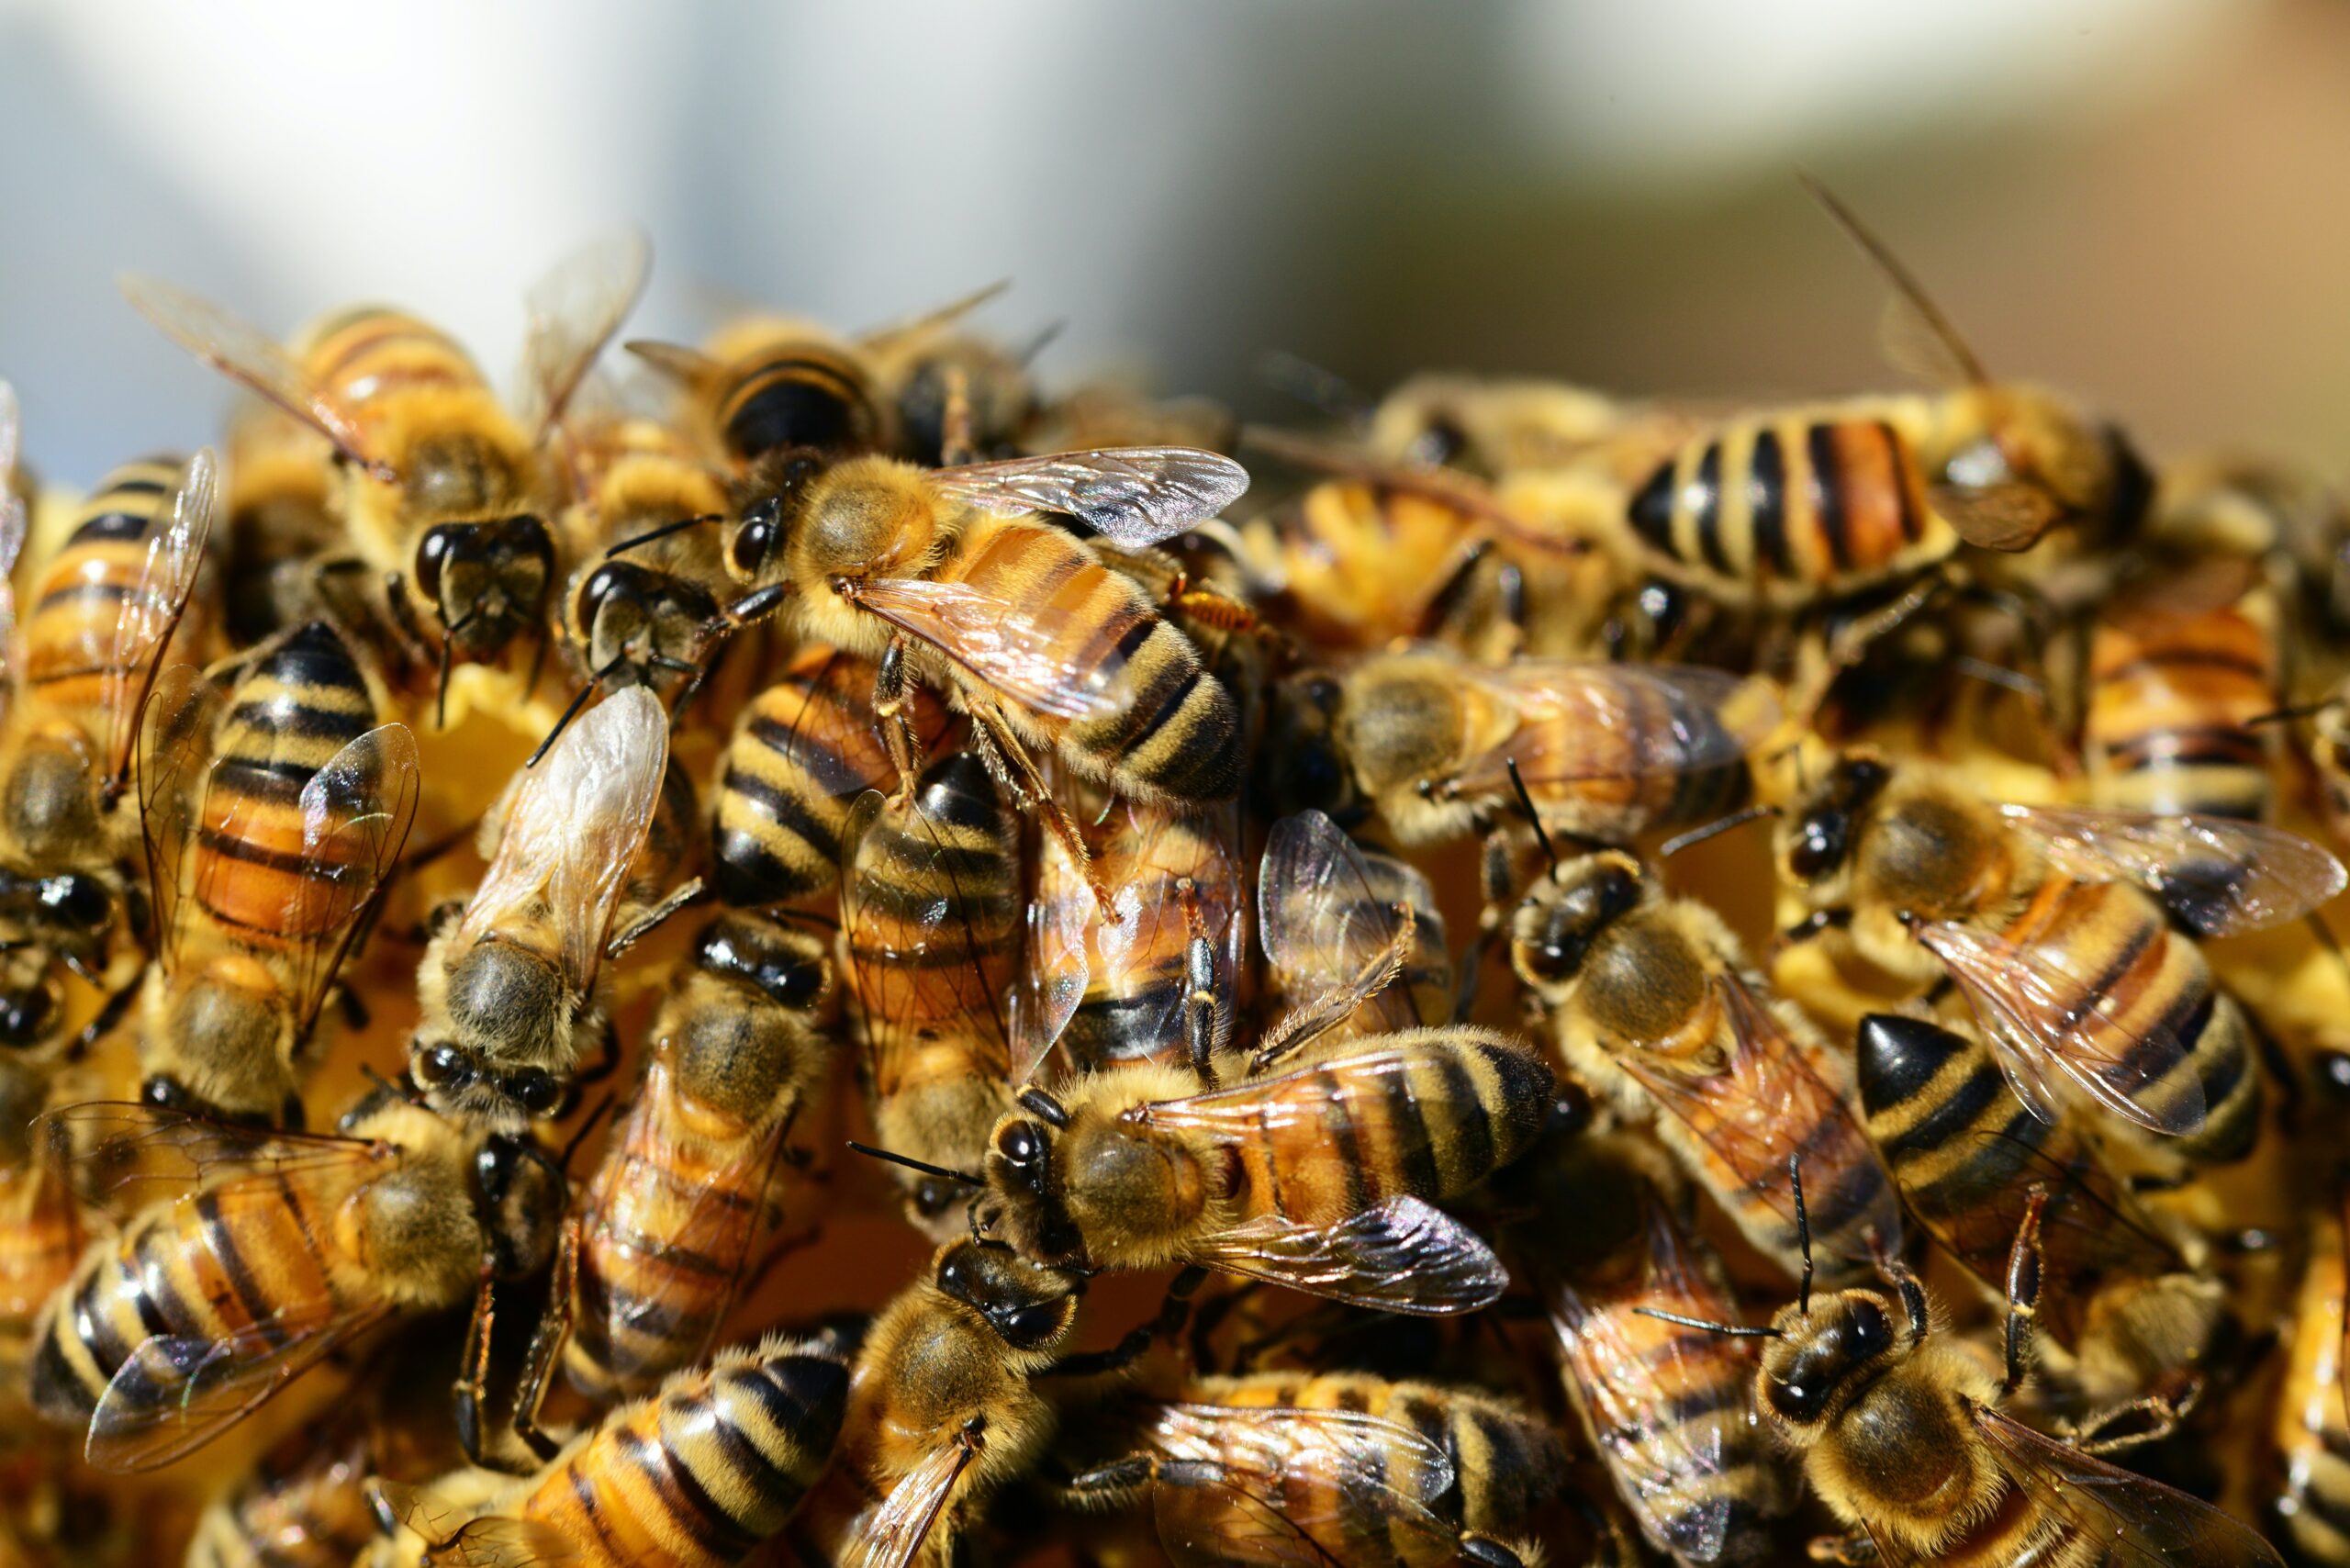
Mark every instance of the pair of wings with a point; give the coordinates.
(1340, 925)
(573, 312)
(1768, 1103)
(2043, 1017)
(484, 1540)
(355, 813)
(176, 1394)
(1402, 1255)
(1584, 722)
(573, 831)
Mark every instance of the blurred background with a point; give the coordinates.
(2144, 200)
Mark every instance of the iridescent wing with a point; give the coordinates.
(1403, 1256)
(1056, 964)
(2221, 876)
(126, 1154)
(2039, 1016)
(573, 311)
(485, 1541)
(1765, 1104)
(244, 354)
(1334, 932)
(174, 743)
(1306, 1487)
(356, 811)
(144, 623)
(893, 1536)
(1134, 496)
(1020, 650)
(1583, 723)
(574, 828)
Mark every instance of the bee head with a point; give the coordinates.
(1554, 927)
(1817, 840)
(1821, 1356)
(1301, 765)
(1023, 1197)
(1401, 720)
(1029, 1306)
(484, 578)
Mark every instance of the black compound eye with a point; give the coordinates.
(441, 1066)
(1870, 1334)
(76, 898)
(754, 540)
(24, 1020)
(433, 552)
(1801, 1399)
(534, 1089)
(1031, 1325)
(794, 985)
(595, 590)
(528, 535)
(1819, 846)
(1019, 1144)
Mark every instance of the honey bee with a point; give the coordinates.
(2313, 1421)
(1902, 1437)
(1671, 1414)
(277, 512)
(273, 818)
(441, 492)
(44, 1225)
(664, 1240)
(931, 920)
(949, 580)
(956, 395)
(2121, 1305)
(105, 612)
(509, 991)
(1653, 1004)
(1334, 915)
(1102, 414)
(303, 1506)
(695, 1475)
(326, 1237)
(1343, 1469)
(803, 751)
(766, 384)
(1138, 1168)
(2053, 922)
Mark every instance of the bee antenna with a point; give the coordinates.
(1733, 1330)
(667, 528)
(817, 918)
(1803, 1232)
(1696, 836)
(2298, 711)
(578, 701)
(1526, 800)
(406, 1092)
(586, 1127)
(1040, 342)
(911, 1163)
(1904, 281)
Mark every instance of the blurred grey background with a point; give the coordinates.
(2140, 199)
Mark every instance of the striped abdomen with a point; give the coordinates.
(1786, 511)
(70, 631)
(803, 751)
(2148, 979)
(1170, 728)
(365, 352)
(1363, 912)
(1966, 1154)
(1427, 1114)
(798, 393)
(42, 1233)
(296, 704)
(206, 1267)
(1362, 568)
(310, 1512)
(2171, 701)
(1591, 762)
(704, 1471)
(2311, 1434)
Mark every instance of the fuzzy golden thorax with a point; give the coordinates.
(497, 1030)
(1101, 1190)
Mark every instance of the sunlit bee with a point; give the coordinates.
(763, 385)
(304, 1505)
(2313, 1421)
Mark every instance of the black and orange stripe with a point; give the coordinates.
(2172, 699)
(70, 631)
(304, 1506)
(790, 393)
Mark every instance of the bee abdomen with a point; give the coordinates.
(80, 601)
(2171, 710)
(804, 396)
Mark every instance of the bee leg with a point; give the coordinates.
(957, 443)
(893, 709)
(1200, 1014)
(1844, 1551)
(474, 1379)
(546, 1345)
(2024, 1290)
(644, 926)
(352, 1007)
(1174, 1314)
(1028, 783)
(1845, 648)
(110, 1013)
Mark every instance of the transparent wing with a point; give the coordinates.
(1134, 496)
(2038, 1016)
(127, 1155)
(2005, 517)
(175, 741)
(356, 811)
(1151, 849)
(174, 1395)
(487, 1541)
(2085, 1231)
(12, 533)
(575, 827)
(1298, 1486)
(2221, 876)
(573, 311)
(1018, 649)
(1924, 341)
(1579, 723)
(1403, 1256)
(913, 326)
(1335, 931)
(1056, 964)
(894, 1534)
(245, 353)
(2133, 1520)
(143, 625)
(1767, 1103)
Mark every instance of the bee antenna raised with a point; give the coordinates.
(911, 1163)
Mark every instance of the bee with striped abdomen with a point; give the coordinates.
(2056, 925)
(956, 395)
(441, 490)
(668, 1230)
(509, 989)
(303, 1504)
(326, 1236)
(766, 384)
(2312, 1420)
(273, 818)
(695, 1475)
(1653, 1004)
(1343, 1469)
(804, 750)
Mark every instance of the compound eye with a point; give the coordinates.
(1031, 1325)
(534, 1089)
(76, 898)
(799, 985)
(1818, 845)
(433, 552)
(529, 534)
(1019, 1144)
(441, 1066)
(754, 540)
(594, 591)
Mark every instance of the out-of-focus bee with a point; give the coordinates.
(305, 1505)
(2313, 1421)
(695, 1475)
(1103, 414)
(325, 1236)
(44, 1226)
(930, 921)
(956, 395)
(949, 579)
(273, 818)
(766, 384)
(1653, 1004)
(1137, 1168)
(443, 491)
(1670, 1413)
(2124, 1309)
(941, 1410)
(1343, 1469)
(277, 512)
(1902, 1437)
(668, 1232)
(803, 751)
(104, 615)
(1793, 509)
(508, 993)
(2056, 924)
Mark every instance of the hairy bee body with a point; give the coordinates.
(768, 383)
(2311, 1430)
(303, 1508)
(2171, 699)
(82, 590)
